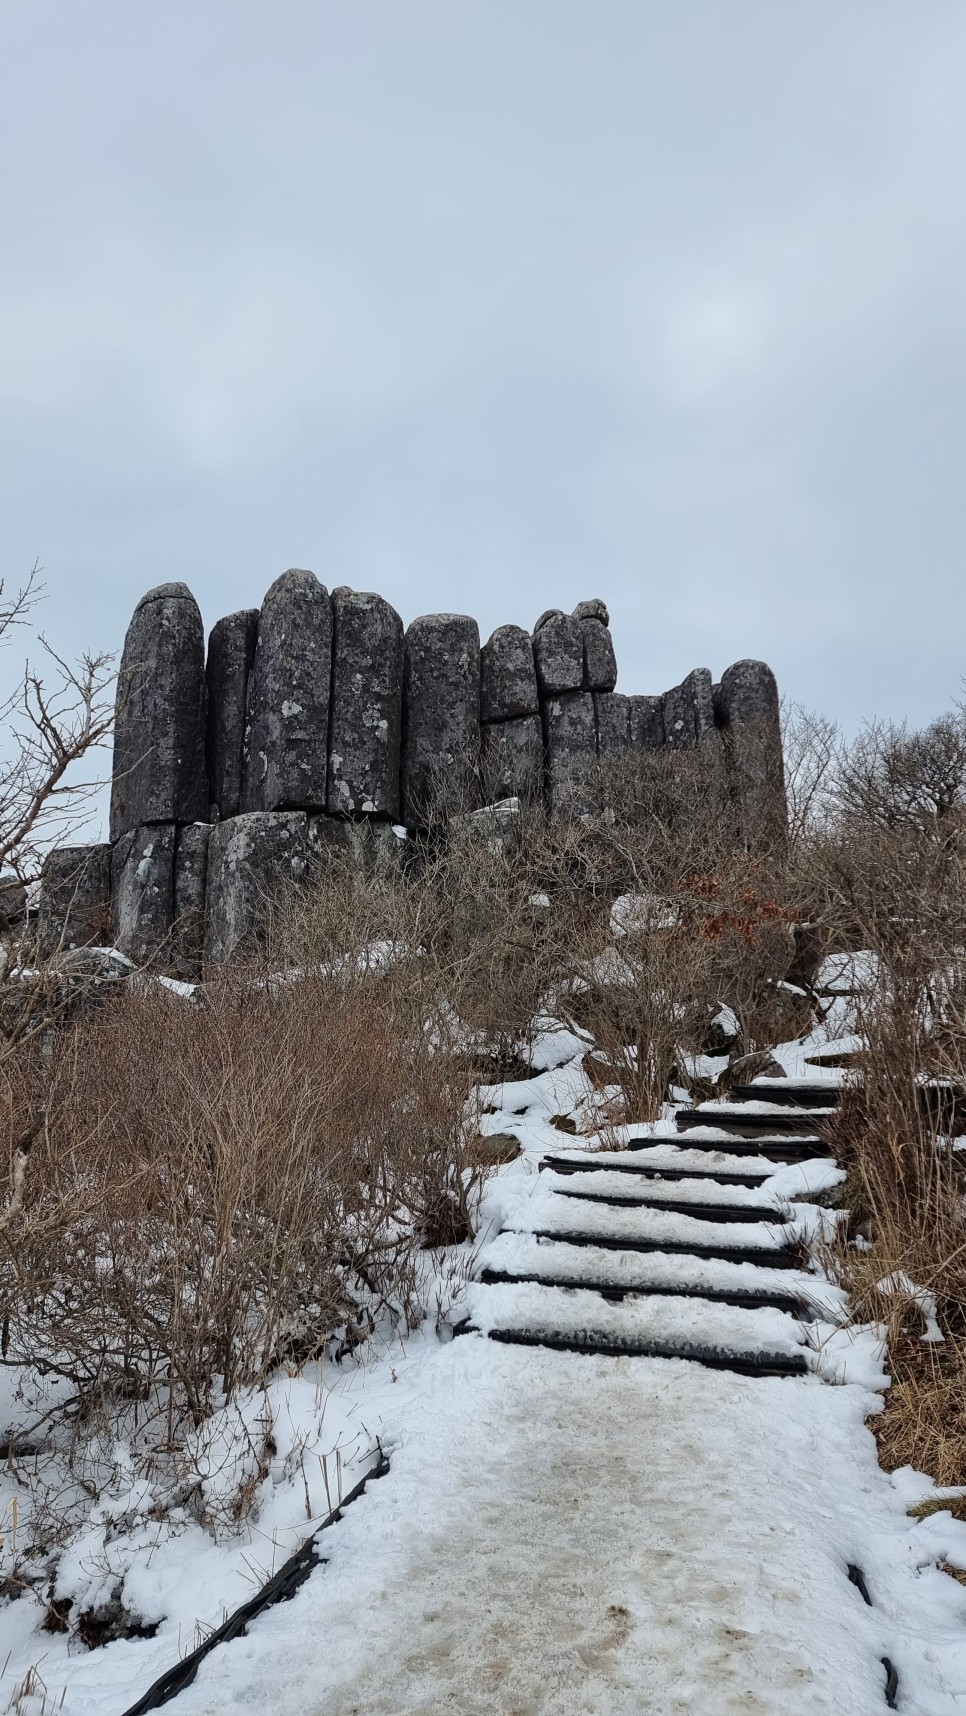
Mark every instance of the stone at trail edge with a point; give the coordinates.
(365, 722)
(441, 716)
(508, 676)
(286, 745)
(159, 732)
(231, 651)
(253, 861)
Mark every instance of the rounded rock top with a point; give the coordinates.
(174, 592)
(594, 609)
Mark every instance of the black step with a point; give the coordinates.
(717, 1176)
(760, 1299)
(766, 1364)
(680, 1206)
(779, 1257)
(780, 1150)
(815, 1095)
(745, 1125)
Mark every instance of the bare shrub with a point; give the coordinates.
(216, 1191)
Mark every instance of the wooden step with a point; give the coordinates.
(793, 1147)
(770, 1257)
(793, 1304)
(770, 1213)
(601, 1164)
(751, 1124)
(787, 1093)
(757, 1364)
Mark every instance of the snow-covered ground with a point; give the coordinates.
(558, 1533)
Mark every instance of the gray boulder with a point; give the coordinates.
(689, 711)
(231, 651)
(508, 676)
(751, 725)
(159, 733)
(253, 861)
(365, 721)
(142, 893)
(646, 723)
(286, 744)
(594, 609)
(600, 662)
(613, 716)
(512, 759)
(13, 902)
(570, 739)
(74, 908)
(558, 649)
(441, 716)
(190, 872)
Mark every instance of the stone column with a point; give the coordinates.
(159, 734)
(646, 723)
(512, 741)
(253, 860)
(231, 651)
(142, 894)
(749, 712)
(286, 744)
(74, 899)
(365, 725)
(441, 716)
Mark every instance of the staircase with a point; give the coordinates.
(675, 1247)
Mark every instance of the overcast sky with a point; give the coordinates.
(492, 306)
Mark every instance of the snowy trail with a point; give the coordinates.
(585, 1535)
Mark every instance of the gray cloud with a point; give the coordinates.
(491, 306)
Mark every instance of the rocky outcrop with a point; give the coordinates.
(750, 717)
(570, 740)
(142, 894)
(508, 676)
(600, 662)
(441, 716)
(689, 711)
(365, 731)
(75, 899)
(613, 716)
(190, 883)
(231, 651)
(646, 723)
(159, 731)
(287, 739)
(558, 648)
(512, 760)
(253, 861)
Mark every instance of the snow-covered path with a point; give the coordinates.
(564, 1534)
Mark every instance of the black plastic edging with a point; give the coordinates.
(279, 1589)
(779, 1257)
(776, 1364)
(773, 1214)
(751, 1300)
(716, 1176)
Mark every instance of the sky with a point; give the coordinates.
(494, 305)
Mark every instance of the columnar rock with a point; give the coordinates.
(613, 716)
(512, 759)
(253, 862)
(142, 893)
(751, 724)
(231, 651)
(570, 739)
(190, 871)
(441, 716)
(646, 723)
(286, 743)
(689, 711)
(75, 899)
(558, 648)
(365, 718)
(508, 676)
(600, 662)
(159, 732)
